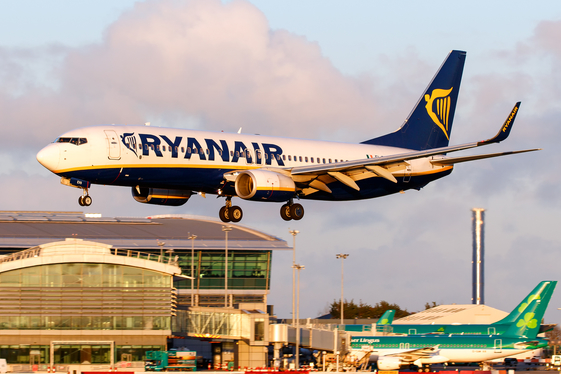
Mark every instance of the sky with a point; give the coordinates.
(330, 70)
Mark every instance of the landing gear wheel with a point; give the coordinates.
(285, 212)
(81, 200)
(296, 212)
(235, 213)
(87, 200)
(224, 214)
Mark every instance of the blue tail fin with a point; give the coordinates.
(542, 292)
(430, 123)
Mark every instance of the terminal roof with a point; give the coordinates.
(24, 229)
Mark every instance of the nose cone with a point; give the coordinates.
(49, 156)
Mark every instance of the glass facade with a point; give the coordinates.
(246, 270)
(85, 296)
(74, 353)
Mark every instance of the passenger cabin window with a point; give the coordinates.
(300, 158)
(311, 159)
(284, 157)
(324, 160)
(289, 158)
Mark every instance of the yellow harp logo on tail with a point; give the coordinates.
(439, 100)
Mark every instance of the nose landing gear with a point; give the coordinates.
(85, 199)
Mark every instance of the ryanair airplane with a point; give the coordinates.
(166, 166)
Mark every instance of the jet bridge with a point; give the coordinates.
(311, 338)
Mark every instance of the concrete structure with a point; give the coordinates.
(448, 314)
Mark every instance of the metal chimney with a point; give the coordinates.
(478, 295)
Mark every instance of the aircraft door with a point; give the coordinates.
(491, 331)
(412, 331)
(113, 145)
(498, 345)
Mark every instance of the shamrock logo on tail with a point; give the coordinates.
(529, 321)
(530, 299)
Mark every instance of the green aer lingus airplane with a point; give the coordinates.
(543, 292)
(393, 352)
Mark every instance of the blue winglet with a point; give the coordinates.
(504, 132)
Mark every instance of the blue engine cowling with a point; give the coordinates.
(160, 196)
(264, 185)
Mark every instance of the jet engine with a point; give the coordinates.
(264, 185)
(389, 363)
(160, 196)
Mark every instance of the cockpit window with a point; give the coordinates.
(77, 141)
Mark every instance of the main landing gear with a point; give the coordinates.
(229, 213)
(85, 199)
(292, 211)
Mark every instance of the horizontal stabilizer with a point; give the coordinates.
(457, 160)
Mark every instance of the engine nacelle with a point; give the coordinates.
(160, 196)
(264, 185)
(389, 363)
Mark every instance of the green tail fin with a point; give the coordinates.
(528, 325)
(386, 318)
(542, 291)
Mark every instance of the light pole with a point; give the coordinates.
(293, 233)
(161, 244)
(192, 238)
(226, 229)
(297, 356)
(342, 256)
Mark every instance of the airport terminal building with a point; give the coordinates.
(86, 289)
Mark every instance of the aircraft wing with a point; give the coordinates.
(415, 354)
(346, 172)
(457, 160)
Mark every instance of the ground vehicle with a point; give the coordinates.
(555, 362)
(510, 361)
(170, 360)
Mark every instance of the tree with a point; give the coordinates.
(554, 337)
(363, 310)
(432, 304)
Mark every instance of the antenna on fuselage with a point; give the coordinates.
(240, 131)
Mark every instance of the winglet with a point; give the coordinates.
(504, 132)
